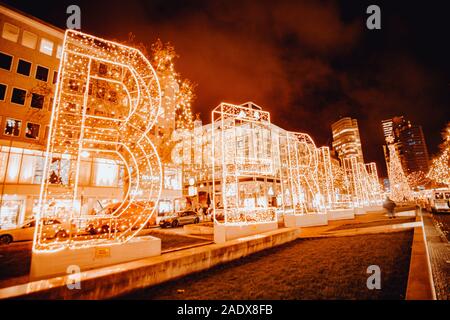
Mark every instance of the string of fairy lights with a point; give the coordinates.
(178, 93)
(440, 166)
(400, 189)
(106, 103)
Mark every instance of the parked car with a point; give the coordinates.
(53, 228)
(179, 219)
(129, 219)
(440, 201)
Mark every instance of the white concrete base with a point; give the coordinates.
(360, 210)
(305, 220)
(341, 214)
(374, 208)
(46, 264)
(226, 232)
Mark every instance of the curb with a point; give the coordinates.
(420, 279)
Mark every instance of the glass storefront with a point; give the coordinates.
(25, 167)
(10, 212)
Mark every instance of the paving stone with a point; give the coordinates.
(439, 251)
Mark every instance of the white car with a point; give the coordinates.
(440, 201)
(53, 228)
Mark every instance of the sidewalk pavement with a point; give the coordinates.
(360, 225)
(439, 255)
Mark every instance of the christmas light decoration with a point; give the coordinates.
(241, 153)
(299, 164)
(353, 175)
(400, 190)
(342, 187)
(107, 101)
(325, 176)
(374, 186)
(177, 94)
(440, 166)
(363, 182)
(417, 179)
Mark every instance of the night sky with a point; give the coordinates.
(307, 62)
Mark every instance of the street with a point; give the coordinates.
(15, 258)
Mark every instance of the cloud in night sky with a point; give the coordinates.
(307, 62)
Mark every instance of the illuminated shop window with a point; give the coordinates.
(46, 46)
(28, 166)
(105, 173)
(5, 61)
(29, 40)
(18, 96)
(172, 179)
(32, 130)
(12, 127)
(42, 73)
(10, 213)
(2, 91)
(59, 169)
(165, 206)
(37, 100)
(10, 164)
(24, 67)
(10, 32)
(38, 167)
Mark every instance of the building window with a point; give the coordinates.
(5, 61)
(18, 96)
(37, 100)
(55, 76)
(10, 32)
(73, 85)
(12, 127)
(102, 69)
(29, 40)
(42, 73)
(59, 52)
(50, 104)
(24, 67)
(32, 130)
(2, 91)
(46, 46)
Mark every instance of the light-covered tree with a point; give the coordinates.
(440, 166)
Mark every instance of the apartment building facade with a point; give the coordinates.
(346, 139)
(409, 142)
